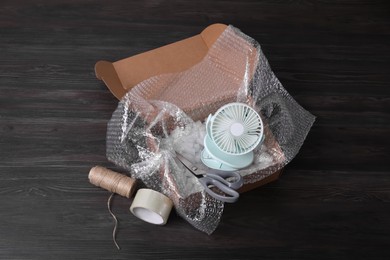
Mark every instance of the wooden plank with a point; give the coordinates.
(332, 201)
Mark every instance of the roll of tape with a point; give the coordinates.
(151, 206)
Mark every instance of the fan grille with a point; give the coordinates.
(236, 128)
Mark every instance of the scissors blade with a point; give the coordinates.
(189, 165)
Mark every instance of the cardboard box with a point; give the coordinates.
(120, 76)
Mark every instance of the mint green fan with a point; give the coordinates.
(233, 132)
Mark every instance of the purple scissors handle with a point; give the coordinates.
(217, 179)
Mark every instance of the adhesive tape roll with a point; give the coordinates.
(151, 206)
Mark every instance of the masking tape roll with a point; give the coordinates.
(151, 206)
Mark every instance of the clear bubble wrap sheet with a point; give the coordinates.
(165, 114)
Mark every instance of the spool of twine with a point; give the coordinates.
(112, 181)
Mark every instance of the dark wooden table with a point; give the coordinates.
(332, 201)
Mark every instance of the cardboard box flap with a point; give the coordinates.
(122, 75)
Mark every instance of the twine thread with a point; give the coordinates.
(114, 182)
(115, 220)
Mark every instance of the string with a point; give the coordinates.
(115, 219)
(115, 183)
(112, 181)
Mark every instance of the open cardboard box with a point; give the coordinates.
(120, 76)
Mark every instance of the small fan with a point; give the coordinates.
(232, 134)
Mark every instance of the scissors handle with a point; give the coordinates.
(224, 176)
(232, 194)
(219, 181)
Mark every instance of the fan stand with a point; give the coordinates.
(214, 158)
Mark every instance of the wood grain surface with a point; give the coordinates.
(333, 200)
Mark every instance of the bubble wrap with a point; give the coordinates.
(163, 115)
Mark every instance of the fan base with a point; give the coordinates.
(214, 158)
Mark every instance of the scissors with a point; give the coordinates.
(218, 179)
